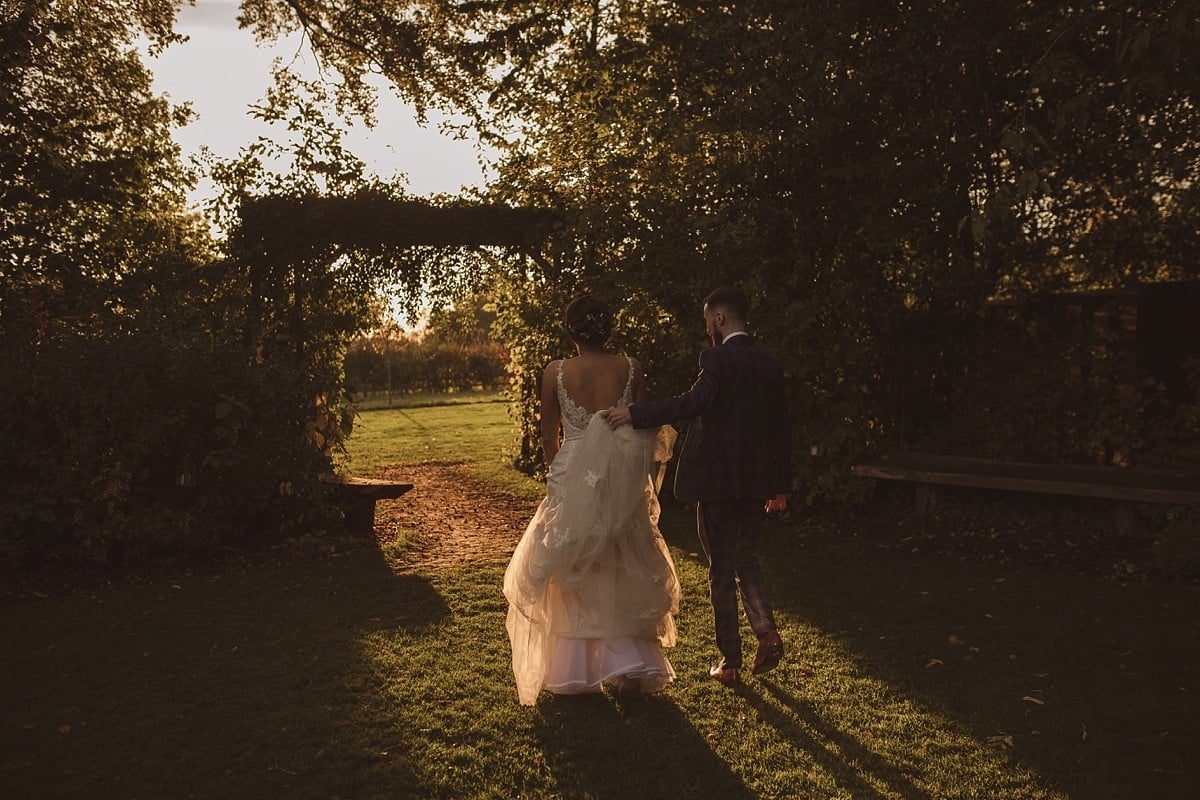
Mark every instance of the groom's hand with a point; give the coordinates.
(776, 504)
(616, 417)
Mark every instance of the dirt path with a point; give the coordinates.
(453, 517)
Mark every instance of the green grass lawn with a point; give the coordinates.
(479, 434)
(909, 676)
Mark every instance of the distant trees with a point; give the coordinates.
(452, 353)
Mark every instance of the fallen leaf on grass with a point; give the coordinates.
(955, 640)
(933, 662)
(1037, 700)
(1006, 741)
(66, 728)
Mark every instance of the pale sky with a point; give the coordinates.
(221, 70)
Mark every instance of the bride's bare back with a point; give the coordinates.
(592, 381)
(596, 381)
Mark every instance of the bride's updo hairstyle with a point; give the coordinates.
(588, 320)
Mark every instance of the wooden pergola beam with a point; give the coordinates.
(291, 223)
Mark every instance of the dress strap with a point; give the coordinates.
(627, 395)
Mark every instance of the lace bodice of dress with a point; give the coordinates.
(575, 418)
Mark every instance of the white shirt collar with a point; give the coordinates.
(735, 333)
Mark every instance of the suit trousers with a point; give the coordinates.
(729, 532)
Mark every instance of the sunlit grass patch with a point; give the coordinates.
(477, 434)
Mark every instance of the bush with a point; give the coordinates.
(135, 436)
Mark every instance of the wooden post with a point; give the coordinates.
(360, 514)
(926, 496)
(1125, 517)
(1126, 319)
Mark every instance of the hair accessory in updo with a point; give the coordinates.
(588, 320)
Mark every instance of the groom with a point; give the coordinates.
(736, 461)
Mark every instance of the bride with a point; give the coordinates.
(591, 587)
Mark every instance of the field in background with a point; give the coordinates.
(376, 400)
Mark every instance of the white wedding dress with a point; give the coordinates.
(591, 587)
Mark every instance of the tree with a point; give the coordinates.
(848, 164)
(91, 183)
(465, 322)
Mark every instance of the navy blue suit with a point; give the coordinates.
(737, 453)
(739, 443)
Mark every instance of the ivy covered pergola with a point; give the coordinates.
(277, 234)
(288, 243)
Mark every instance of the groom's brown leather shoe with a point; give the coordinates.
(727, 675)
(770, 651)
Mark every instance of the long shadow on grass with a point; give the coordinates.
(243, 684)
(1094, 681)
(646, 749)
(834, 760)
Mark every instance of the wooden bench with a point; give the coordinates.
(357, 497)
(1125, 484)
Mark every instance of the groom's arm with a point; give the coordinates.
(690, 404)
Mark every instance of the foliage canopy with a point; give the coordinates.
(849, 164)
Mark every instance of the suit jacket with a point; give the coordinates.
(739, 444)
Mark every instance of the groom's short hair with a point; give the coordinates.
(730, 299)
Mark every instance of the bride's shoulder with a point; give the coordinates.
(551, 370)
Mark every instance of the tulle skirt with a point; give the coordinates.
(578, 666)
(591, 587)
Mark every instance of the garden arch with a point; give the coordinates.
(278, 230)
